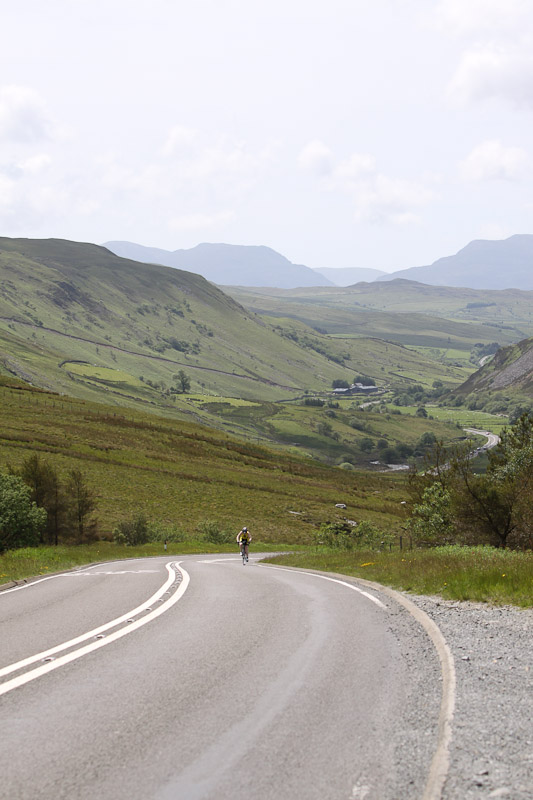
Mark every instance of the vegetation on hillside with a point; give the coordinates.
(453, 504)
(180, 474)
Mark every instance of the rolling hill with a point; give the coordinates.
(349, 275)
(229, 264)
(404, 311)
(482, 264)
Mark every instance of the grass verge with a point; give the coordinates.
(28, 562)
(481, 574)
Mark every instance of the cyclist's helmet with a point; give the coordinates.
(245, 529)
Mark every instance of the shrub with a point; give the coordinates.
(21, 521)
(211, 532)
(165, 533)
(132, 532)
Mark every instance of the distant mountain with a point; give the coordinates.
(482, 264)
(349, 275)
(227, 264)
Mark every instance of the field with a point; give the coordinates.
(462, 417)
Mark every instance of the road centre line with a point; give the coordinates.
(28, 676)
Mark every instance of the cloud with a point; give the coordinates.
(483, 17)
(390, 200)
(23, 116)
(490, 72)
(377, 198)
(316, 158)
(179, 138)
(490, 160)
(197, 222)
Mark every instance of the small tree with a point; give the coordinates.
(21, 521)
(183, 382)
(432, 518)
(47, 492)
(82, 502)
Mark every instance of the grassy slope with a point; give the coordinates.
(181, 473)
(510, 371)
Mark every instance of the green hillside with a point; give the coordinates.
(78, 320)
(509, 372)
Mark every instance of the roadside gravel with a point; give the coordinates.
(491, 753)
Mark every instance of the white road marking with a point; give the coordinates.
(334, 580)
(28, 676)
(75, 574)
(441, 758)
(219, 560)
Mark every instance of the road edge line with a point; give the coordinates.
(440, 762)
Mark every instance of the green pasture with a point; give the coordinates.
(463, 417)
(103, 374)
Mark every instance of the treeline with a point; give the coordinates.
(451, 504)
(39, 506)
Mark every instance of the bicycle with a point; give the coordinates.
(243, 554)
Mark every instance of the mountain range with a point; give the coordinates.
(227, 264)
(482, 264)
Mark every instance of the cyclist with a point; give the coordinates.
(244, 538)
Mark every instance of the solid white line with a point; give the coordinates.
(440, 762)
(333, 580)
(219, 560)
(91, 634)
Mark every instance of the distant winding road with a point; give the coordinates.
(209, 679)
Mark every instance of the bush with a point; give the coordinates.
(21, 521)
(132, 532)
(165, 533)
(344, 536)
(210, 531)
(346, 465)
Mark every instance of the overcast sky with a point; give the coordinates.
(342, 133)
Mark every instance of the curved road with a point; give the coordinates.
(143, 679)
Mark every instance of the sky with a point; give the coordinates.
(341, 133)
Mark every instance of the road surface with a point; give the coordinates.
(143, 679)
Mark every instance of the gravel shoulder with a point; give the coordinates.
(491, 752)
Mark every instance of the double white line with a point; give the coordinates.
(173, 569)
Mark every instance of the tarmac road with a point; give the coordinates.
(212, 680)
